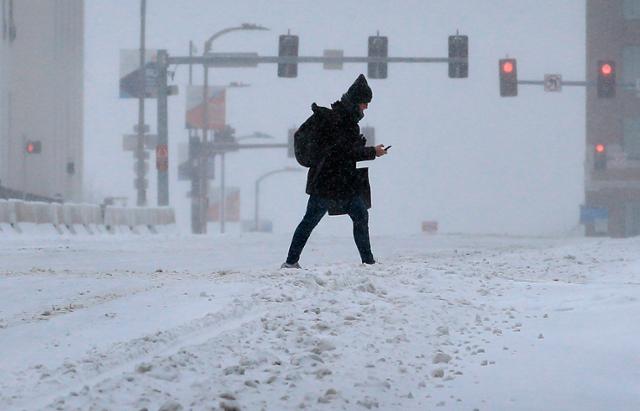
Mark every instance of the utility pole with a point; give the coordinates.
(139, 152)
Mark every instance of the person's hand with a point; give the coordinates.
(380, 151)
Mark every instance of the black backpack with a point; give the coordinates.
(306, 140)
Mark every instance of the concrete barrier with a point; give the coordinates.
(4, 212)
(166, 216)
(11, 212)
(42, 212)
(142, 216)
(119, 216)
(56, 214)
(25, 212)
(90, 216)
(71, 214)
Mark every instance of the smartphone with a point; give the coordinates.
(387, 148)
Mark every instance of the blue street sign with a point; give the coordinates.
(591, 214)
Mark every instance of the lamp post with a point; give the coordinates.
(204, 183)
(256, 134)
(257, 189)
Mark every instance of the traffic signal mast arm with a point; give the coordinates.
(253, 59)
(628, 86)
(216, 148)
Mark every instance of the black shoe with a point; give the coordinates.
(287, 265)
(372, 262)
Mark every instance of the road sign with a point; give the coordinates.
(130, 141)
(553, 83)
(430, 227)
(336, 54)
(136, 128)
(216, 109)
(592, 214)
(186, 170)
(162, 157)
(130, 74)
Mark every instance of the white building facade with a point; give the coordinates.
(41, 96)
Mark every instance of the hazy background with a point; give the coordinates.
(461, 154)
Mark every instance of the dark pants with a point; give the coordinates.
(316, 209)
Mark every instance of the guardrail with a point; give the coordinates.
(93, 218)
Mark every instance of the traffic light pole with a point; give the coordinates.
(203, 190)
(564, 83)
(162, 163)
(139, 152)
(223, 198)
(626, 86)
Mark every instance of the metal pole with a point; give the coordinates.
(257, 190)
(222, 194)
(24, 168)
(190, 63)
(140, 186)
(163, 134)
(195, 187)
(195, 169)
(257, 204)
(204, 157)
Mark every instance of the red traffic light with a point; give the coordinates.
(33, 147)
(600, 148)
(507, 67)
(606, 69)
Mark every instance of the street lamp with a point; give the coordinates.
(256, 134)
(257, 192)
(204, 183)
(243, 26)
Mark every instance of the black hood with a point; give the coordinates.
(358, 93)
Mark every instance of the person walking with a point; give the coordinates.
(334, 184)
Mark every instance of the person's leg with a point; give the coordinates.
(316, 209)
(357, 210)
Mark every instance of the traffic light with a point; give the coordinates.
(227, 135)
(194, 147)
(33, 147)
(290, 147)
(508, 77)
(378, 47)
(606, 78)
(458, 48)
(600, 157)
(288, 47)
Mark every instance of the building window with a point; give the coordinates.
(631, 138)
(630, 64)
(5, 22)
(631, 9)
(12, 24)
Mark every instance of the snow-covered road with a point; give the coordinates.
(450, 322)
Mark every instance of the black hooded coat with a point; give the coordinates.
(335, 175)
